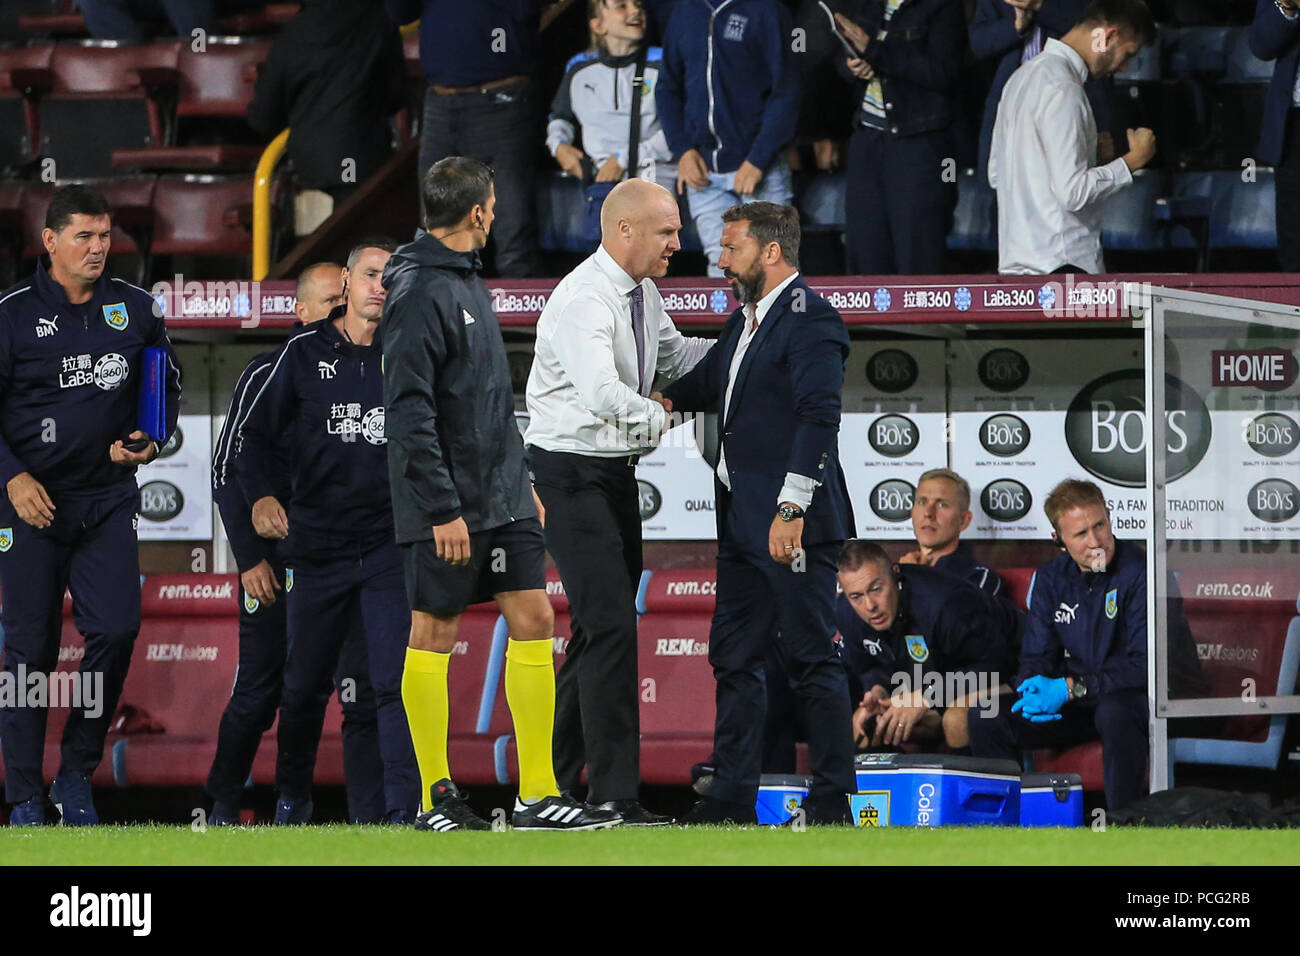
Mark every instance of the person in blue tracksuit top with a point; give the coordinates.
(263, 640)
(728, 101)
(324, 398)
(72, 341)
(921, 647)
(1083, 664)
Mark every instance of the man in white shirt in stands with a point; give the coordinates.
(1042, 161)
(601, 340)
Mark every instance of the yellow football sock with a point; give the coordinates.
(424, 695)
(530, 692)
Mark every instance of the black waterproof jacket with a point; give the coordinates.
(454, 449)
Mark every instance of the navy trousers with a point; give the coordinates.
(1118, 720)
(263, 644)
(897, 207)
(498, 127)
(753, 593)
(90, 549)
(345, 597)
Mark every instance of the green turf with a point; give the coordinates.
(350, 845)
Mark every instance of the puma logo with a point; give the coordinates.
(1065, 613)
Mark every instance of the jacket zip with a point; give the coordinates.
(708, 79)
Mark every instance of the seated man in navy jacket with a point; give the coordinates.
(923, 645)
(1083, 666)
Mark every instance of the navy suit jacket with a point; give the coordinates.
(1274, 37)
(784, 416)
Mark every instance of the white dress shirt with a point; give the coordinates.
(583, 394)
(798, 489)
(1042, 165)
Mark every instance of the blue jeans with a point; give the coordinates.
(708, 204)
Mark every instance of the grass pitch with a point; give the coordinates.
(670, 846)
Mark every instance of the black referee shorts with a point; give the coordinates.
(509, 558)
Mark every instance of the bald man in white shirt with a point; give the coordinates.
(1043, 158)
(601, 340)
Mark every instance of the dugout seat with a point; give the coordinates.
(1238, 640)
(677, 686)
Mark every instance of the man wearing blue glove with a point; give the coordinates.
(1083, 664)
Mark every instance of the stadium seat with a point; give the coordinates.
(1242, 214)
(12, 239)
(821, 201)
(202, 216)
(102, 100)
(975, 219)
(1128, 217)
(23, 77)
(213, 84)
(1194, 50)
(1241, 65)
(559, 206)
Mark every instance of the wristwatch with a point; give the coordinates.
(789, 512)
(1287, 10)
(1078, 689)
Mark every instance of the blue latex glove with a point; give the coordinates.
(1027, 707)
(1041, 695)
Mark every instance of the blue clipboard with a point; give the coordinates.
(152, 414)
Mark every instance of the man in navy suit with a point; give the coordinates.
(1275, 35)
(775, 376)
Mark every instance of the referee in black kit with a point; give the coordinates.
(601, 340)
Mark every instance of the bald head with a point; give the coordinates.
(639, 222)
(320, 289)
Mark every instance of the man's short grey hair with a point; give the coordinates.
(963, 486)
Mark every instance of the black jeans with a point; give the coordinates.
(593, 530)
(496, 126)
(1286, 181)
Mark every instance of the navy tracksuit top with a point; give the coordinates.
(69, 381)
(323, 403)
(944, 625)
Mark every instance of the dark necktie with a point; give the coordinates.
(638, 332)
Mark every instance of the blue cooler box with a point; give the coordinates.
(1051, 800)
(930, 790)
(779, 796)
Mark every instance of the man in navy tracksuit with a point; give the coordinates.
(728, 101)
(71, 347)
(1083, 665)
(263, 640)
(324, 397)
(918, 643)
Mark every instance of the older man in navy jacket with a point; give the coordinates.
(775, 378)
(1275, 35)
